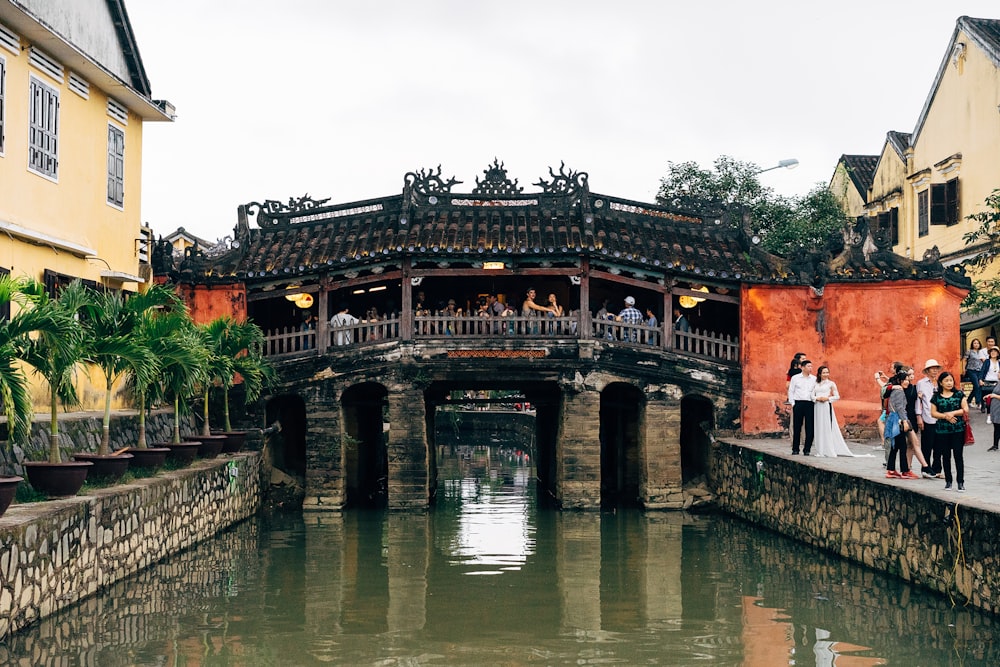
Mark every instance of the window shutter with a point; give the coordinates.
(939, 204)
(951, 201)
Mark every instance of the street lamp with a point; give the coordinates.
(790, 163)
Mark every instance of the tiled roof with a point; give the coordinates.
(900, 141)
(554, 227)
(986, 34)
(861, 169)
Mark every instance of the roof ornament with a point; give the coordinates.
(428, 182)
(565, 182)
(273, 213)
(496, 182)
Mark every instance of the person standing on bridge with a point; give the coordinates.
(800, 395)
(629, 315)
(342, 323)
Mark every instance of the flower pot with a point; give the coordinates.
(234, 441)
(57, 479)
(8, 489)
(211, 445)
(107, 468)
(183, 452)
(148, 457)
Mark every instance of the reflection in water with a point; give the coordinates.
(370, 588)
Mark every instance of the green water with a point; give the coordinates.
(489, 577)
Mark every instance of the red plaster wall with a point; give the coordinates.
(867, 327)
(208, 302)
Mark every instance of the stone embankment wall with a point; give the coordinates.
(944, 546)
(80, 433)
(56, 553)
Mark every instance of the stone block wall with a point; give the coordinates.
(943, 546)
(56, 553)
(81, 433)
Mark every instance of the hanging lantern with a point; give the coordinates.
(691, 301)
(304, 300)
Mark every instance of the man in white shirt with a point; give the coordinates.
(800, 395)
(342, 324)
(926, 424)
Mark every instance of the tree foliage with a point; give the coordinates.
(985, 294)
(784, 225)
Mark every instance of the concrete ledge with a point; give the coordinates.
(915, 532)
(55, 553)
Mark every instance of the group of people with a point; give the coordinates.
(928, 417)
(982, 370)
(933, 414)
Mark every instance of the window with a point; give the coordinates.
(889, 221)
(43, 129)
(116, 166)
(944, 203)
(923, 214)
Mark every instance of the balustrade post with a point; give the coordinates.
(406, 312)
(323, 320)
(583, 316)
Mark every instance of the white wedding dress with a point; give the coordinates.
(827, 439)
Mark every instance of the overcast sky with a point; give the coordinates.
(340, 99)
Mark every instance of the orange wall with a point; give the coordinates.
(867, 327)
(208, 302)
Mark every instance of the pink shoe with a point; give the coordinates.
(892, 474)
(909, 474)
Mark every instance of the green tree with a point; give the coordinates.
(15, 333)
(234, 349)
(111, 322)
(55, 353)
(784, 225)
(170, 336)
(985, 294)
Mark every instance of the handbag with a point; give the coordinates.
(891, 425)
(969, 438)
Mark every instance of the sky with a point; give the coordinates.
(340, 98)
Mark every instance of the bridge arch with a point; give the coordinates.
(364, 452)
(697, 424)
(621, 413)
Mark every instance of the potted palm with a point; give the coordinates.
(55, 354)
(237, 349)
(16, 399)
(175, 341)
(111, 323)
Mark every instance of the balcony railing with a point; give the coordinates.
(696, 343)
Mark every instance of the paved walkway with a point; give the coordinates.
(982, 468)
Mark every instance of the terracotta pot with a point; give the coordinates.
(8, 489)
(57, 479)
(148, 457)
(184, 452)
(107, 468)
(234, 441)
(211, 445)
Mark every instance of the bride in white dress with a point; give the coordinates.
(827, 439)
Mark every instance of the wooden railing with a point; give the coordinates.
(696, 343)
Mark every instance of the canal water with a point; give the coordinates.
(492, 577)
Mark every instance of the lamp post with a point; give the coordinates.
(790, 163)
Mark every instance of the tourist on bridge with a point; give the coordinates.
(974, 358)
(341, 323)
(951, 410)
(926, 424)
(993, 405)
(828, 438)
(800, 390)
(896, 403)
(629, 315)
(308, 325)
(531, 309)
(989, 374)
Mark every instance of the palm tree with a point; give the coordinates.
(235, 349)
(171, 338)
(14, 335)
(55, 352)
(111, 323)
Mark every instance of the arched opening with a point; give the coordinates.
(289, 452)
(697, 422)
(622, 407)
(502, 420)
(366, 464)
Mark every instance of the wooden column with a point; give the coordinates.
(323, 316)
(668, 319)
(406, 314)
(583, 326)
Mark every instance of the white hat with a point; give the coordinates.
(931, 362)
(630, 300)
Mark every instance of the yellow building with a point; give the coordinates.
(926, 183)
(73, 100)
